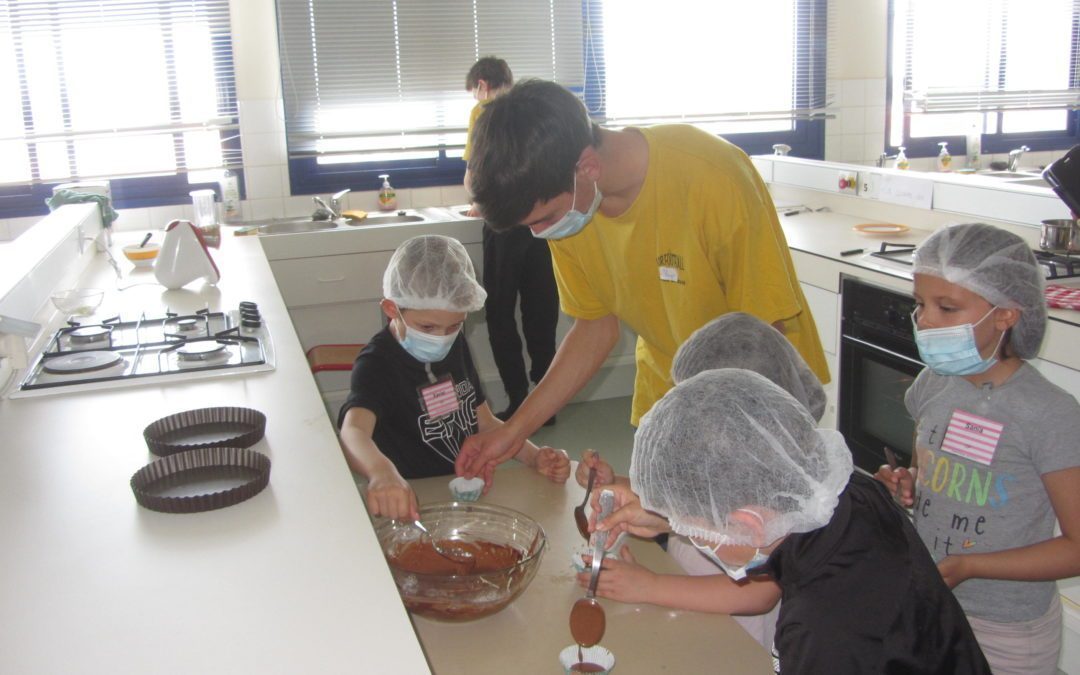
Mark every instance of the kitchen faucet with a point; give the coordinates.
(331, 211)
(1014, 157)
(882, 158)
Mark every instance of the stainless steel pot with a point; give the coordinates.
(1060, 235)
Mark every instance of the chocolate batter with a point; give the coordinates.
(586, 668)
(587, 622)
(420, 557)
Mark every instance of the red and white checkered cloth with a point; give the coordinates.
(1062, 297)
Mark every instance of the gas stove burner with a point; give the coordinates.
(81, 362)
(199, 351)
(188, 324)
(89, 334)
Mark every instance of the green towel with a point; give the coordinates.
(61, 197)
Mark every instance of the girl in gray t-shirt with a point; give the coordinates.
(997, 446)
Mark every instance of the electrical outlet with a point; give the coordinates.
(847, 182)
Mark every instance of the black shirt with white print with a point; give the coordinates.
(388, 381)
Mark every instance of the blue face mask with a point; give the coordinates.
(574, 221)
(427, 348)
(953, 350)
(737, 573)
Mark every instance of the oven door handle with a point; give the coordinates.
(878, 348)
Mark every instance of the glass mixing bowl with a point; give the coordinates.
(78, 301)
(504, 551)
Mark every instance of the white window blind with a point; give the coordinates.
(113, 88)
(732, 67)
(962, 59)
(366, 80)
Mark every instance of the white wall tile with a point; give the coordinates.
(452, 195)
(851, 148)
(160, 216)
(875, 91)
(263, 149)
(874, 120)
(854, 121)
(5, 231)
(263, 182)
(261, 116)
(426, 196)
(852, 93)
(132, 219)
(832, 148)
(300, 205)
(873, 146)
(261, 209)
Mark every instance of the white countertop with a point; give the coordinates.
(290, 581)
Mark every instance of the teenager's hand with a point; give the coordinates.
(487, 447)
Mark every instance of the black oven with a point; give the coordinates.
(878, 362)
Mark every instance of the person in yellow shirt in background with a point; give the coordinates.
(515, 265)
(662, 228)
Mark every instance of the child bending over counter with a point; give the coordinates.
(415, 394)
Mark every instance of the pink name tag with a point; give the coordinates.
(440, 399)
(972, 437)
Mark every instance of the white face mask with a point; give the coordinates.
(574, 221)
(426, 348)
(738, 572)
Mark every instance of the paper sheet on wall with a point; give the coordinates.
(905, 190)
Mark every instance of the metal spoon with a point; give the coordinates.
(579, 511)
(458, 554)
(587, 619)
(146, 239)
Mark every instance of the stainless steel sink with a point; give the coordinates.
(388, 220)
(293, 225)
(1031, 182)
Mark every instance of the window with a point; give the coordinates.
(1006, 68)
(138, 91)
(375, 86)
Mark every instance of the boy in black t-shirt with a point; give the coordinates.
(415, 394)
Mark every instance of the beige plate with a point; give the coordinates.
(880, 228)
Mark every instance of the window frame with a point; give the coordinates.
(991, 143)
(28, 199)
(807, 138)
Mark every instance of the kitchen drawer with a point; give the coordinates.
(329, 279)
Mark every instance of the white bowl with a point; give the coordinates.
(596, 654)
(142, 256)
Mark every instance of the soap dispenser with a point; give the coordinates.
(387, 196)
(944, 159)
(901, 160)
(974, 147)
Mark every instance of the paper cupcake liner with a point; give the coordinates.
(219, 427)
(206, 466)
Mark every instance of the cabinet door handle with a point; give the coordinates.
(330, 281)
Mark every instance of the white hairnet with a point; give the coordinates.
(433, 272)
(997, 265)
(730, 439)
(739, 340)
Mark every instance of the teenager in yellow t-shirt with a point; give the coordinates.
(663, 228)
